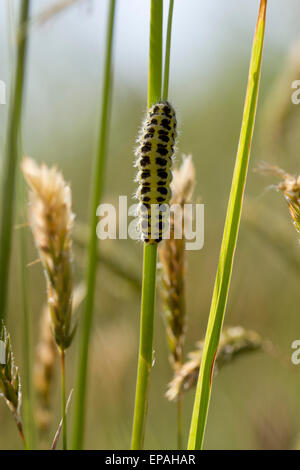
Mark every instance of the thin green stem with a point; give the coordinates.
(146, 346)
(165, 97)
(96, 194)
(11, 157)
(229, 242)
(63, 399)
(150, 250)
(28, 394)
(168, 52)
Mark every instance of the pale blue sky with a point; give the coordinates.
(204, 30)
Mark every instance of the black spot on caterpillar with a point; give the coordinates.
(162, 150)
(164, 138)
(161, 162)
(145, 161)
(154, 159)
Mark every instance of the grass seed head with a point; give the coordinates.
(289, 187)
(184, 181)
(10, 384)
(51, 221)
(234, 342)
(172, 262)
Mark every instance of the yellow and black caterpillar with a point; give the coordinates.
(154, 160)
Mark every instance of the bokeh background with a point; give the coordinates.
(255, 400)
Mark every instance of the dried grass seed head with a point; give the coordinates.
(289, 187)
(51, 220)
(184, 181)
(51, 216)
(172, 264)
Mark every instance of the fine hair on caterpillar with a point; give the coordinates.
(155, 150)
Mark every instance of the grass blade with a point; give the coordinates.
(150, 251)
(11, 157)
(28, 394)
(97, 190)
(232, 223)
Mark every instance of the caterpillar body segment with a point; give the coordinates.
(155, 150)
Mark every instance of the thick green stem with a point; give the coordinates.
(96, 194)
(150, 250)
(229, 242)
(11, 157)
(155, 52)
(146, 346)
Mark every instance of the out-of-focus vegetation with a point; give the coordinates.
(255, 396)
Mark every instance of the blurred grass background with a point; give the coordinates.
(255, 400)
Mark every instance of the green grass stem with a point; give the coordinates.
(150, 250)
(96, 194)
(228, 246)
(146, 346)
(155, 52)
(26, 318)
(165, 97)
(11, 157)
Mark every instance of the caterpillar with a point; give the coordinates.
(154, 161)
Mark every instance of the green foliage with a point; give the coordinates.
(150, 250)
(229, 242)
(96, 195)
